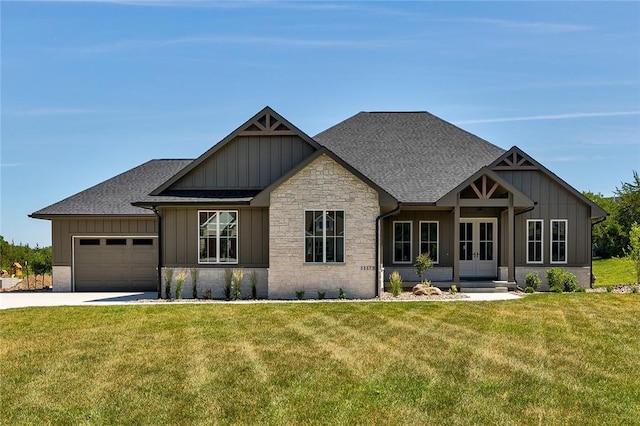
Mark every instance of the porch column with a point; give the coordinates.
(456, 241)
(511, 242)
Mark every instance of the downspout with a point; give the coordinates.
(378, 261)
(527, 210)
(592, 278)
(159, 285)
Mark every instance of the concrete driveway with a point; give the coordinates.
(47, 298)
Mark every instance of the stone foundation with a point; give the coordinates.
(212, 280)
(582, 273)
(409, 275)
(61, 279)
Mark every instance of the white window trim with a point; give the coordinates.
(437, 237)
(324, 237)
(541, 261)
(566, 242)
(201, 262)
(393, 255)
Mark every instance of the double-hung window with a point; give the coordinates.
(534, 240)
(559, 241)
(324, 236)
(218, 236)
(429, 239)
(402, 242)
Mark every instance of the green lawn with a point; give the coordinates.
(613, 271)
(545, 359)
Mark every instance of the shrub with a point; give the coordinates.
(254, 284)
(395, 283)
(580, 290)
(168, 277)
(228, 277)
(299, 294)
(321, 295)
(555, 289)
(207, 293)
(342, 294)
(529, 289)
(238, 274)
(609, 288)
(560, 278)
(532, 280)
(182, 275)
(633, 251)
(422, 263)
(634, 289)
(194, 282)
(453, 289)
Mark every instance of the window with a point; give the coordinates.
(324, 236)
(559, 241)
(534, 241)
(90, 242)
(218, 236)
(142, 242)
(402, 242)
(116, 242)
(429, 239)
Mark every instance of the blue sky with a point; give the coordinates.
(93, 88)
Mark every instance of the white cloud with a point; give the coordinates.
(568, 116)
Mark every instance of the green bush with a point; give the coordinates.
(228, 277)
(555, 289)
(423, 262)
(453, 289)
(395, 283)
(321, 295)
(558, 277)
(299, 294)
(237, 276)
(168, 276)
(529, 289)
(254, 284)
(580, 290)
(532, 280)
(634, 289)
(342, 294)
(194, 282)
(182, 275)
(609, 288)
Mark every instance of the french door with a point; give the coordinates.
(478, 248)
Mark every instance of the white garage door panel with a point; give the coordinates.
(115, 264)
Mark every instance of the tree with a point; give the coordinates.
(633, 251)
(629, 205)
(41, 262)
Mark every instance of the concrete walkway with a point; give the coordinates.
(31, 299)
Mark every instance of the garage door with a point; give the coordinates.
(115, 264)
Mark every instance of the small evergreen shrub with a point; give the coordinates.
(634, 289)
(395, 283)
(299, 294)
(532, 280)
(321, 295)
(609, 288)
(555, 289)
(580, 290)
(529, 289)
(342, 294)
(453, 289)
(254, 284)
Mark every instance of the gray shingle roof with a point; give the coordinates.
(114, 196)
(415, 156)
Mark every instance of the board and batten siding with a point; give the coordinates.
(181, 233)
(553, 202)
(247, 162)
(64, 229)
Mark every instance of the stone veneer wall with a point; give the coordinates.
(322, 185)
(582, 273)
(213, 279)
(410, 276)
(61, 278)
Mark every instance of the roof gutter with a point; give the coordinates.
(159, 268)
(379, 279)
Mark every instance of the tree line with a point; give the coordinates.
(611, 237)
(34, 260)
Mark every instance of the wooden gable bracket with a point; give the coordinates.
(267, 125)
(515, 161)
(484, 194)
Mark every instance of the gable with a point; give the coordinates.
(250, 158)
(539, 183)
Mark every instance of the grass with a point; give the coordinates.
(614, 271)
(545, 359)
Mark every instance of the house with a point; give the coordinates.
(341, 209)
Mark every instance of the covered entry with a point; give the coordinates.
(115, 263)
(478, 248)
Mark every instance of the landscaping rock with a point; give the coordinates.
(421, 290)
